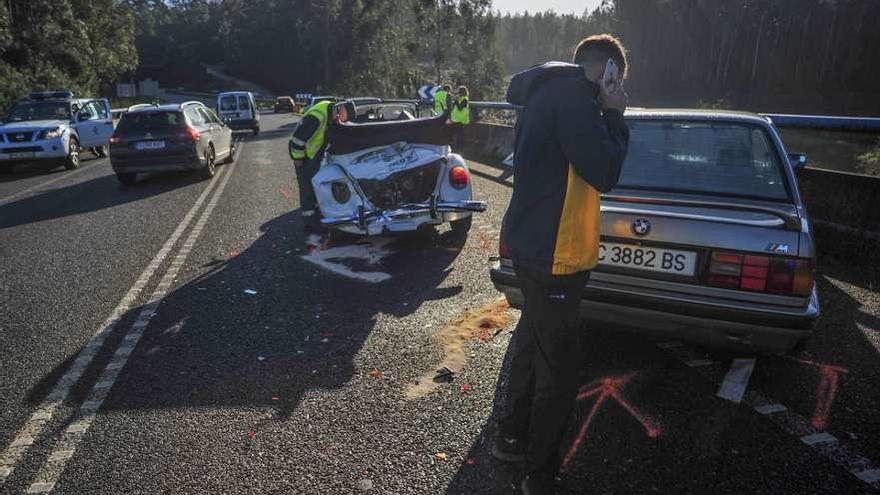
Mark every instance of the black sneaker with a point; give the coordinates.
(532, 485)
(509, 449)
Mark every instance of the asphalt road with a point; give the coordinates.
(247, 358)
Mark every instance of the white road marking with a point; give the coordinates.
(737, 380)
(694, 363)
(36, 423)
(372, 253)
(51, 470)
(868, 475)
(818, 438)
(62, 176)
(770, 409)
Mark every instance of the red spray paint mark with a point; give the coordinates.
(604, 388)
(284, 192)
(825, 392)
(486, 243)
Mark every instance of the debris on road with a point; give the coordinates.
(365, 485)
(444, 375)
(456, 336)
(470, 461)
(375, 373)
(441, 456)
(251, 435)
(260, 358)
(465, 388)
(251, 292)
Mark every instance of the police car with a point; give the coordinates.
(54, 126)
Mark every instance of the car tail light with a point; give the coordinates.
(193, 134)
(458, 177)
(114, 138)
(789, 276)
(503, 250)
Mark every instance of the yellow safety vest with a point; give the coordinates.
(463, 115)
(319, 111)
(440, 101)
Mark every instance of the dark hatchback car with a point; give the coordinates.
(705, 238)
(177, 137)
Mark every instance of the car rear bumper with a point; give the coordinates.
(156, 164)
(720, 325)
(243, 124)
(405, 218)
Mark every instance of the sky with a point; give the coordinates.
(560, 6)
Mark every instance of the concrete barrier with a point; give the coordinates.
(845, 207)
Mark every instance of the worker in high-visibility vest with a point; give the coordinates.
(460, 115)
(441, 100)
(307, 146)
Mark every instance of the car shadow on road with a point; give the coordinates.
(262, 327)
(88, 196)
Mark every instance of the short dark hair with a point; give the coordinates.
(597, 49)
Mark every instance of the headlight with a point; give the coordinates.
(54, 133)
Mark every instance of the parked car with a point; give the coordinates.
(384, 112)
(54, 126)
(158, 138)
(317, 99)
(394, 177)
(705, 237)
(239, 110)
(284, 104)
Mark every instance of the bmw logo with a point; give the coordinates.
(641, 227)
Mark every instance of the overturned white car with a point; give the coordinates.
(394, 177)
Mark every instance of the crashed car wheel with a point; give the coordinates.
(72, 160)
(99, 151)
(463, 226)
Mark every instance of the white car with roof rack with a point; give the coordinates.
(54, 125)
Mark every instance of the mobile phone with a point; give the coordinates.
(611, 78)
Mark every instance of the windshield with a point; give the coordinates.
(149, 121)
(725, 159)
(40, 110)
(228, 103)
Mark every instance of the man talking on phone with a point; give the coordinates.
(571, 141)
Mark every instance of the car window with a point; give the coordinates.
(195, 117)
(227, 103)
(101, 110)
(90, 111)
(726, 159)
(209, 116)
(39, 110)
(135, 122)
(243, 103)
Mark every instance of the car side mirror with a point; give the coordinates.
(797, 160)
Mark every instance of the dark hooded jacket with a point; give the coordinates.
(567, 152)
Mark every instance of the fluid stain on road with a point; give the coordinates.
(481, 324)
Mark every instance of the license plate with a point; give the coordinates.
(150, 145)
(648, 258)
(23, 155)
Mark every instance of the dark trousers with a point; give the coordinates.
(304, 175)
(544, 370)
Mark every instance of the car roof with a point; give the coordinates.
(165, 107)
(695, 114)
(233, 93)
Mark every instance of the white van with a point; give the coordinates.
(239, 110)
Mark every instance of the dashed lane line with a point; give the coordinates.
(838, 451)
(62, 176)
(64, 450)
(34, 426)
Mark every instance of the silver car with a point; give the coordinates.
(705, 238)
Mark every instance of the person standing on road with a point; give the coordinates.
(307, 147)
(441, 99)
(571, 141)
(461, 115)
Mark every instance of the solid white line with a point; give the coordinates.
(35, 424)
(737, 380)
(51, 470)
(64, 175)
(868, 475)
(699, 362)
(818, 438)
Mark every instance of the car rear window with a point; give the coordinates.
(149, 121)
(228, 103)
(725, 159)
(243, 103)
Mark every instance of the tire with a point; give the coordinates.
(71, 162)
(256, 131)
(100, 151)
(126, 178)
(231, 157)
(210, 167)
(462, 226)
